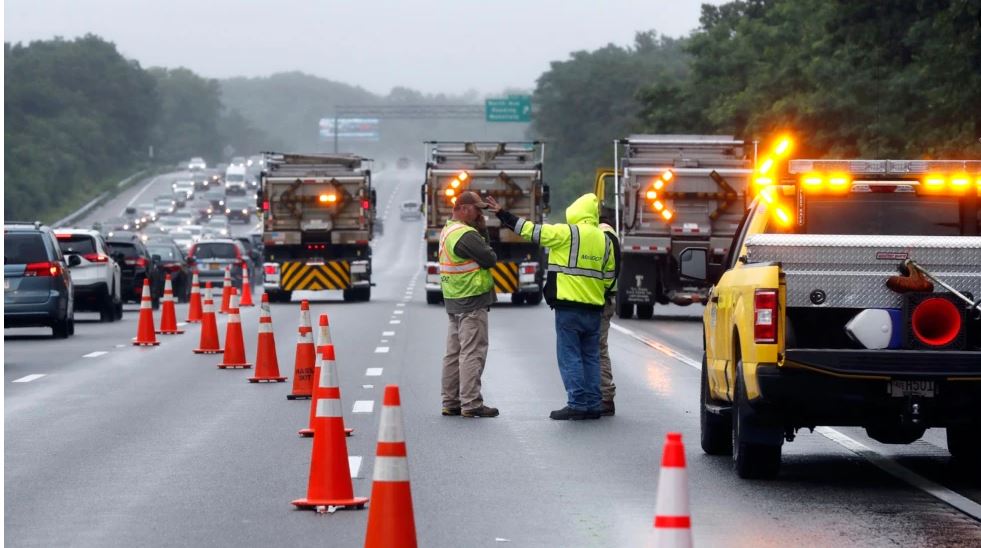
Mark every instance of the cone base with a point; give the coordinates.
(234, 366)
(189, 320)
(208, 351)
(267, 379)
(153, 343)
(298, 396)
(356, 502)
(308, 433)
(249, 305)
(174, 332)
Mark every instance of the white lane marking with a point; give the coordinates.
(363, 406)
(354, 463)
(399, 312)
(30, 378)
(883, 462)
(140, 193)
(395, 322)
(893, 468)
(367, 386)
(399, 304)
(381, 350)
(373, 372)
(383, 340)
(388, 333)
(95, 354)
(667, 350)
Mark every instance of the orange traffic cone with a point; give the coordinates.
(226, 290)
(672, 524)
(266, 363)
(246, 289)
(330, 475)
(144, 328)
(209, 326)
(194, 307)
(234, 340)
(168, 314)
(305, 360)
(325, 358)
(390, 518)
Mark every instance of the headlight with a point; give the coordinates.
(209, 211)
(224, 231)
(228, 210)
(221, 202)
(125, 227)
(246, 211)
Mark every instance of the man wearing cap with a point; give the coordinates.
(465, 260)
(581, 268)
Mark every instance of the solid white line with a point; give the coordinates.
(883, 462)
(354, 463)
(373, 372)
(363, 406)
(140, 193)
(381, 350)
(95, 354)
(395, 321)
(30, 378)
(388, 333)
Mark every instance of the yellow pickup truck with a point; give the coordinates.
(850, 297)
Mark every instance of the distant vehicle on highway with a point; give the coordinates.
(37, 288)
(97, 279)
(201, 208)
(237, 161)
(235, 180)
(216, 196)
(239, 209)
(183, 238)
(183, 191)
(197, 163)
(217, 225)
(410, 210)
(402, 163)
(169, 223)
(173, 260)
(211, 257)
(147, 211)
(186, 217)
(136, 264)
(164, 205)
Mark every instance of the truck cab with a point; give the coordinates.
(849, 298)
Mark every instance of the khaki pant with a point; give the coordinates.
(466, 354)
(608, 390)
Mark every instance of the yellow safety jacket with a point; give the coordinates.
(459, 277)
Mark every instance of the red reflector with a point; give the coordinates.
(365, 204)
(265, 205)
(96, 257)
(432, 270)
(765, 316)
(271, 269)
(42, 269)
(530, 269)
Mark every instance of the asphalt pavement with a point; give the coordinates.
(122, 446)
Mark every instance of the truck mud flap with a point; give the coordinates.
(638, 279)
(505, 276)
(296, 276)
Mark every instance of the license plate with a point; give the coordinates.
(925, 389)
(214, 266)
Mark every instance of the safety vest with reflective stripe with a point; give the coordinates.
(580, 261)
(459, 277)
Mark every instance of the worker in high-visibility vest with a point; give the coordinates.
(465, 260)
(581, 268)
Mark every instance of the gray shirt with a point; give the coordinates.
(473, 246)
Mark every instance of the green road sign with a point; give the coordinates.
(515, 108)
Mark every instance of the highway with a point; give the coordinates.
(115, 445)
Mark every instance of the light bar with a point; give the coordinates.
(885, 167)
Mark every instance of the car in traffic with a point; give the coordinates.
(216, 197)
(235, 180)
(37, 288)
(147, 212)
(164, 205)
(217, 225)
(237, 162)
(169, 223)
(410, 210)
(197, 163)
(212, 257)
(136, 264)
(173, 261)
(184, 216)
(200, 208)
(182, 237)
(183, 191)
(97, 278)
(239, 209)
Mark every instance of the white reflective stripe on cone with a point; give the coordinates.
(328, 374)
(391, 469)
(265, 324)
(672, 492)
(391, 424)
(305, 338)
(329, 408)
(324, 336)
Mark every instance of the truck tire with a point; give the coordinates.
(964, 444)
(357, 294)
(625, 310)
(716, 428)
(433, 297)
(750, 459)
(645, 311)
(517, 299)
(534, 299)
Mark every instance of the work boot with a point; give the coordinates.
(608, 409)
(482, 411)
(451, 411)
(569, 414)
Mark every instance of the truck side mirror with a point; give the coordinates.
(258, 199)
(693, 264)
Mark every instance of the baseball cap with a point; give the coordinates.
(471, 198)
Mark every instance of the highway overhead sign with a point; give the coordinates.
(514, 108)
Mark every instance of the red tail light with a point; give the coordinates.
(42, 270)
(265, 205)
(270, 269)
(96, 258)
(139, 261)
(432, 269)
(528, 269)
(765, 316)
(171, 268)
(365, 204)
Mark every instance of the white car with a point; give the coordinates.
(235, 180)
(97, 279)
(184, 189)
(196, 163)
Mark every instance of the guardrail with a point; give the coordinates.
(78, 213)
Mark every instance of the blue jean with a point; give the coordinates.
(577, 333)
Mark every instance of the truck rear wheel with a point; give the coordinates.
(750, 459)
(534, 299)
(964, 444)
(434, 297)
(645, 311)
(517, 299)
(625, 310)
(716, 427)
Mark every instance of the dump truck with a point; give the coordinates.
(672, 192)
(511, 172)
(318, 216)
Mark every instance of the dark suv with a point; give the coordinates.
(136, 264)
(37, 288)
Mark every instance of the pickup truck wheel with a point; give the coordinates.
(645, 311)
(964, 444)
(432, 297)
(716, 427)
(751, 460)
(625, 309)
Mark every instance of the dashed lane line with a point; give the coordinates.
(95, 354)
(363, 406)
(30, 378)
(373, 372)
(399, 304)
(394, 322)
(388, 333)
(399, 312)
(381, 350)
(880, 461)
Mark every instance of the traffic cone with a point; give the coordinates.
(390, 519)
(144, 328)
(266, 363)
(226, 290)
(246, 289)
(234, 340)
(672, 523)
(209, 326)
(194, 307)
(168, 314)
(305, 360)
(325, 359)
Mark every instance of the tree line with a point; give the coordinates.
(883, 78)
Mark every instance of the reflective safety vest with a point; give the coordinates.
(459, 277)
